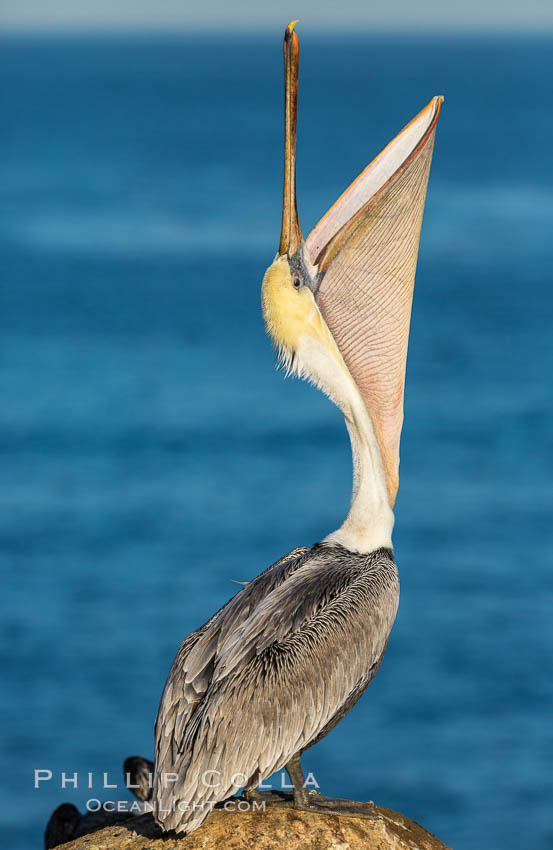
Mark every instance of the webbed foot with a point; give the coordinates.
(314, 802)
(276, 798)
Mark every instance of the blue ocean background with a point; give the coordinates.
(151, 453)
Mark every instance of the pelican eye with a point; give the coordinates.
(296, 282)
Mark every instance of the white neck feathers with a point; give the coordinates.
(369, 523)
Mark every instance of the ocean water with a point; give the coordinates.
(150, 452)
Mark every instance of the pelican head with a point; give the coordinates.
(337, 305)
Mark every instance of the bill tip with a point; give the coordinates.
(290, 28)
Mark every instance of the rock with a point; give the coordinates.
(276, 828)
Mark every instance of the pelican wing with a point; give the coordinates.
(193, 666)
(283, 674)
(366, 249)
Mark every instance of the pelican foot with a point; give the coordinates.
(335, 806)
(312, 801)
(275, 798)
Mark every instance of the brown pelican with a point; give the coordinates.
(281, 663)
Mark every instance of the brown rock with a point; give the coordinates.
(276, 828)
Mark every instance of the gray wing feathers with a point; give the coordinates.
(279, 677)
(280, 613)
(237, 610)
(191, 671)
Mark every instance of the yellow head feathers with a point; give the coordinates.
(290, 312)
